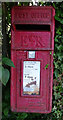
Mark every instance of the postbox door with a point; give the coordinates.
(27, 98)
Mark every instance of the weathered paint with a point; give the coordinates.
(22, 42)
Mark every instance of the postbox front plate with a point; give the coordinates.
(32, 55)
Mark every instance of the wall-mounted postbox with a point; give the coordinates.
(32, 45)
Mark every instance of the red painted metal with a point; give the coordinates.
(41, 41)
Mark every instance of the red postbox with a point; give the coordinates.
(32, 45)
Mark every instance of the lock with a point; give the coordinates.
(32, 41)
